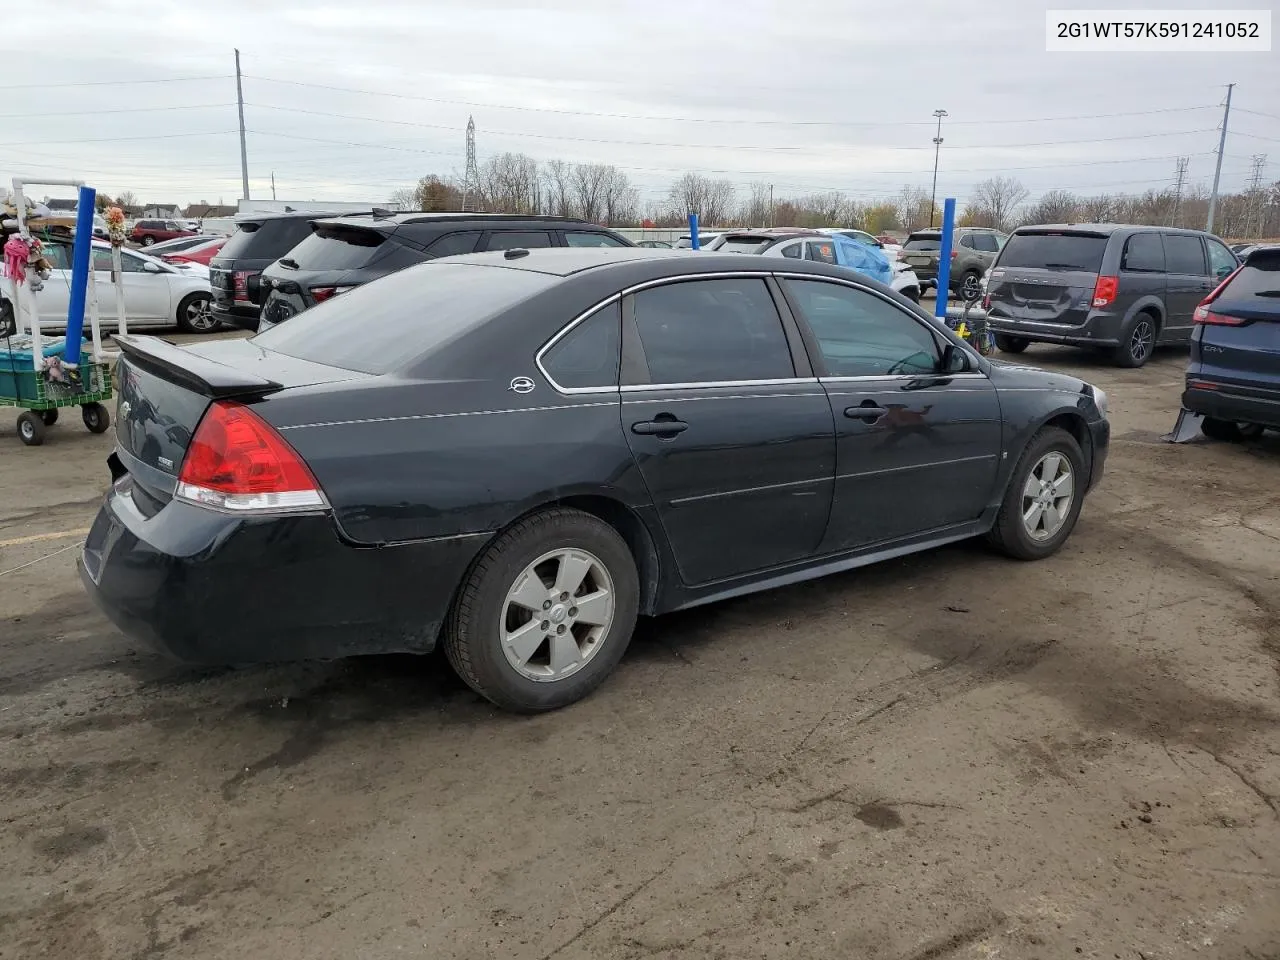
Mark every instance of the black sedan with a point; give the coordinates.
(516, 454)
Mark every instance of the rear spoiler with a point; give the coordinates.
(190, 370)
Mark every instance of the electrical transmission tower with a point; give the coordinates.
(471, 179)
(1254, 219)
(1180, 181)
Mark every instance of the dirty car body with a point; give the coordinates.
(487, 388)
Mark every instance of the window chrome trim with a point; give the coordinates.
(716, 384)
(634, 288)
(979, 375)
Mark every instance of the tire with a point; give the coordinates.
(95, 417)
(31, 428)
(1137, 341)
(49, 417)
(1010, 533)
(484, 609)
(148, 241)
(1008, 344)
(193, 314)
(912, 294)
(1229, 431)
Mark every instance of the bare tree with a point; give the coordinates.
(127, 199)
(557, 176)
(406, 198)
(590, 185)
(1096, 209)
(509, 183)
(756, 208)
(914, 209)
(620, 198)
(1054, 206)
(711, 200)
(995, 199)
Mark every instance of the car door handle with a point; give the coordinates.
(868, 412)
(660, 427)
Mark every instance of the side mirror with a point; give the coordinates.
(152, 268)
(954, 360)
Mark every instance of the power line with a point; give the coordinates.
(150, 136)
(90, 113)
(664, 119)
(109, 83)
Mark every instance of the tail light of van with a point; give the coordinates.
(1105, 290)
(238, 463)
(1205, 315)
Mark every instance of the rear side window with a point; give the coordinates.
(1184, 254)
(379, 327)
(986, 242)
(1055, 251)
(967, 241)
(337, 248)
(1143, 253)
(519, 240)
(710, 331)
(581, 238)
(822, 251)
(792, 251)
(923, 243)
(587, 356)
(455, 244)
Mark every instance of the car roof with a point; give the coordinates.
(773, 233)
(397, 219)
(1105, 228)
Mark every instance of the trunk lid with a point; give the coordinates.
(164, 390)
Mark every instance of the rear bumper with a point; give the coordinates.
(208, 588)
(1094, 332)
(1224, 404)
(242, 315)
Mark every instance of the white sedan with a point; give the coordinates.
(156, 294)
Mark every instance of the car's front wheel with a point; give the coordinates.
(1230, 431)
(545, 613)
(194, 315)
(1008, 344)
(1043, 498)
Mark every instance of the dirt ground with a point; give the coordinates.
(948, 756)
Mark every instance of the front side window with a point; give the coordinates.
(712, 331)
(578, 238)
(861, 335)
(1221, 260)
(587, 356)
(1184, 254)
(1143, 253)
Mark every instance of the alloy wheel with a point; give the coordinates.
(1047, 496)
(1142, 340)
(557, 614)
(199, 315)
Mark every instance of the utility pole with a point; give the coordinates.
(771, 206)
(1254, 192)
(244, 153)
(273, 184)
(1180, 180)
(1217, 173)
(937, 148)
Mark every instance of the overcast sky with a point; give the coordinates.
(806, 94)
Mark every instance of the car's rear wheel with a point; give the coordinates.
(194, 314)
(95, 417)
(50, 416)
(1008, 344)
(1043, 498)
(1230, 431)
(148, 241)
(1137, 341)
(545, 613)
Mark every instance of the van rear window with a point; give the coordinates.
(1054, 251)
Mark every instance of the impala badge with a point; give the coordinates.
(522, 385)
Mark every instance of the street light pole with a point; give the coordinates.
(937, 148)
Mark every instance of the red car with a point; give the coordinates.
(147, 232)
(200, 253)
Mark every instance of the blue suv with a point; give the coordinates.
(1233, 380)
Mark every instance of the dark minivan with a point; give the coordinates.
(345, 252)
(235, 272)
(1116, 287)
(1233, 379)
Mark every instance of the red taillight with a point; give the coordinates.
(237, 462)
(240, 285)
(1206, 316)
(954, 254)
(1104, 291)
(321, 294)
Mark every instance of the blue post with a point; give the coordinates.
(944, 258)
(81, 256)
(693, 232)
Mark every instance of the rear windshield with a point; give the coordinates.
(742, 245)
(266, 239)
(1054, 251)
(378, 327)
(923, 243)
(337, 248)
(1259, 278)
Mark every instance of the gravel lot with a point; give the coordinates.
(951, 755)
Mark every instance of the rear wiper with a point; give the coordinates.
(1063, 266)
(287, 262)
(1266, 293)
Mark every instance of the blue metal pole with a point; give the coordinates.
(944, 258)
(80, 263)
(693, 232)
